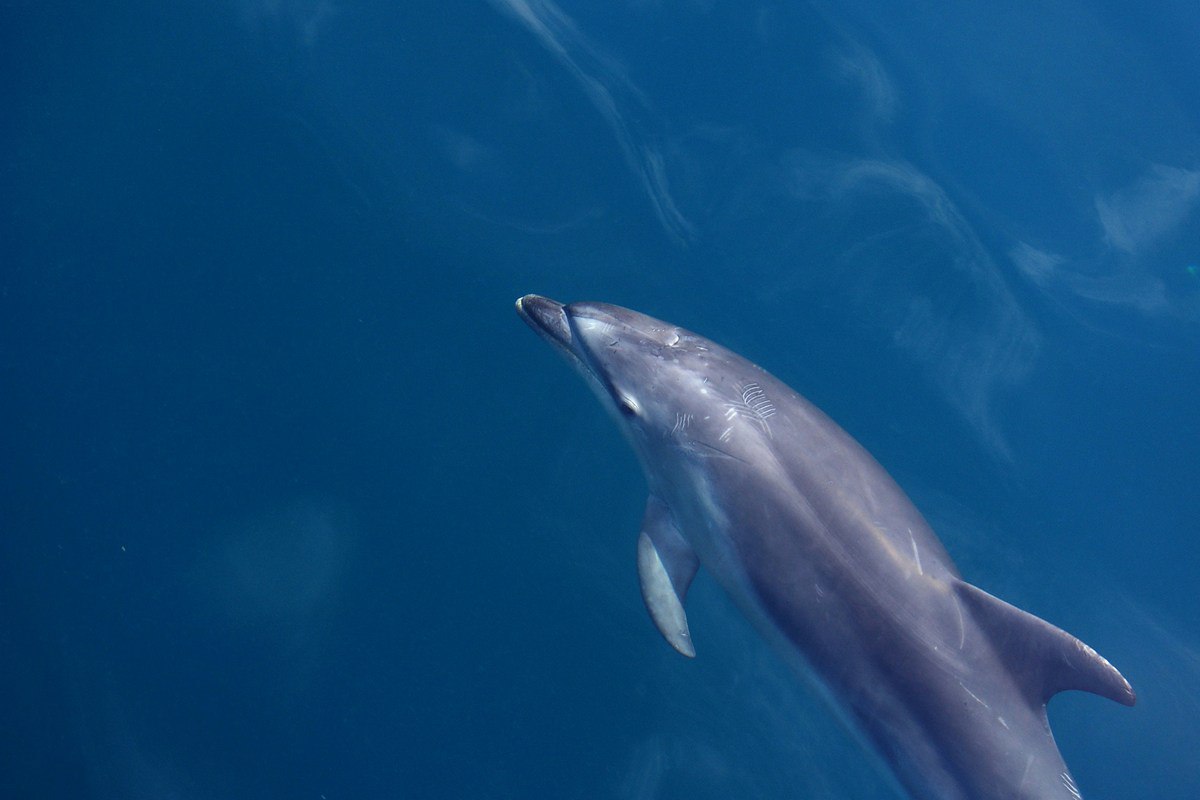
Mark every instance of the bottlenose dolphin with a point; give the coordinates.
(828, 558)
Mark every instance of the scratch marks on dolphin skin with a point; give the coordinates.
(916, 552)
(962, 628)
(706, 450)
(754, 406)
(604, 327)
(1025, 774)
(974, 696)
(1069, 782)
(682, 422)
(756, 400)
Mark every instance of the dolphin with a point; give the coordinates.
(829, 560)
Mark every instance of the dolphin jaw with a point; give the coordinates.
(553, 321)
(548, 318)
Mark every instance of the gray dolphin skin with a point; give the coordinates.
(828, 558)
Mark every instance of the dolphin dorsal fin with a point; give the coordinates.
(666, 566)
(1043, 659)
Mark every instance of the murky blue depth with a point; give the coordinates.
(293, 505)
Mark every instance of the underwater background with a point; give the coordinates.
(294, 505)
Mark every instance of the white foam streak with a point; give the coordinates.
(1136, 217)
(1117, 286)
(306, 18)
(965, 327)
(616, 98)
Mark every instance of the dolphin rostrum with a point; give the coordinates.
(828, 558)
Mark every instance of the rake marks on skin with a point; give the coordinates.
(962, 628)
(754, 406)
(1025, 774)
(1069, 782)
(974, 696)
(916, 552)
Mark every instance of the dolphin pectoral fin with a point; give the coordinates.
(1043, 659)
(662, 599)
(666, 566)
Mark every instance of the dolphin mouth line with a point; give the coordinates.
(549, 319)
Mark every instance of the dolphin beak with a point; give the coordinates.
(548, 318)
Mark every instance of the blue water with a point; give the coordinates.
(295, 506)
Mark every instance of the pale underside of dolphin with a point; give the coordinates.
(828, 558)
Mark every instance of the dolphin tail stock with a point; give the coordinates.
(1044, 659)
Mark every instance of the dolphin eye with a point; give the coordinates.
(628, 406)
